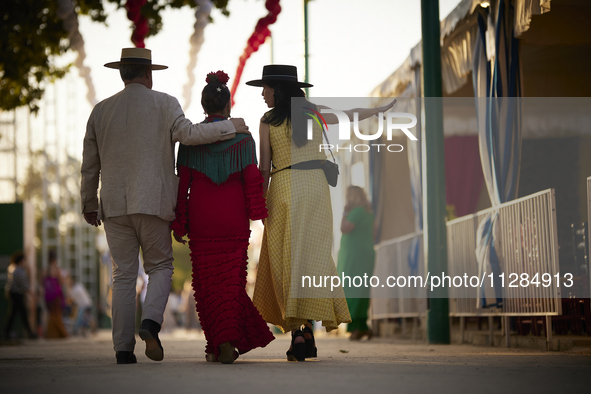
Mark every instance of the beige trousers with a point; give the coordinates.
(125, 235)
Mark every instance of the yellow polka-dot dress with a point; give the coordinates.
(297, 241)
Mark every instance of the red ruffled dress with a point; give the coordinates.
(220, 189)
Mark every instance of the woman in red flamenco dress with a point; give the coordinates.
(220, 189)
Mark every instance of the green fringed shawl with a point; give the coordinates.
(221, 159)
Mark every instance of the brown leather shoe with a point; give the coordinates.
(357, 335)
(227, 352)
(211, 357)
(149, 330)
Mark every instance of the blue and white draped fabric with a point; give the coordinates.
(415, 163)
(375, 170)
(497, 88)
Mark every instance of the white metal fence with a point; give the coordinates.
(392, 259)
(528, 245)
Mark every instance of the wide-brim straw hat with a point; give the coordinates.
(136, 56)
(279, 73)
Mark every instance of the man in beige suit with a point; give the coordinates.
(129, 143)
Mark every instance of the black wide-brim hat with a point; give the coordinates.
(279, 73)
(136, 56)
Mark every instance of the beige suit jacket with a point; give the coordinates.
(129, 143)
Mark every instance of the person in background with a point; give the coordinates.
(79, 296)
(298, 232)
(357, 257)
(297, 240)
(220, 189)
(54, 299)
(17, 288)
(188, 307)
(129, 148)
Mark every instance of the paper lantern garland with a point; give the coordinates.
(258, 37)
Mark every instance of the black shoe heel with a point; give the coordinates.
(311, 350)
(298, 350)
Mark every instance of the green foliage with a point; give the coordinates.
(32, 35)
(92, 8)
(152, 10)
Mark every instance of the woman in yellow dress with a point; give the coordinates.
(297, 239)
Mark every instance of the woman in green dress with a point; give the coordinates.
(356, 257)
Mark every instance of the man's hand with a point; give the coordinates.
(92, 218)
(178, 238)
(240, 126)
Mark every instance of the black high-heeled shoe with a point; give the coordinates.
(311, 350)
(297, 351)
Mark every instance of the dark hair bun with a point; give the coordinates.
(215, 94)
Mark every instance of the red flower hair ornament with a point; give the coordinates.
(217, 76)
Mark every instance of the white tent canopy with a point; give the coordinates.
(554, 62)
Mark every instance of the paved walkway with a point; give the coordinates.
(87, 365)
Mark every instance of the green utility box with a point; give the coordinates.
(17, 231)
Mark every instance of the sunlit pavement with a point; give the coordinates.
(87, 365)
